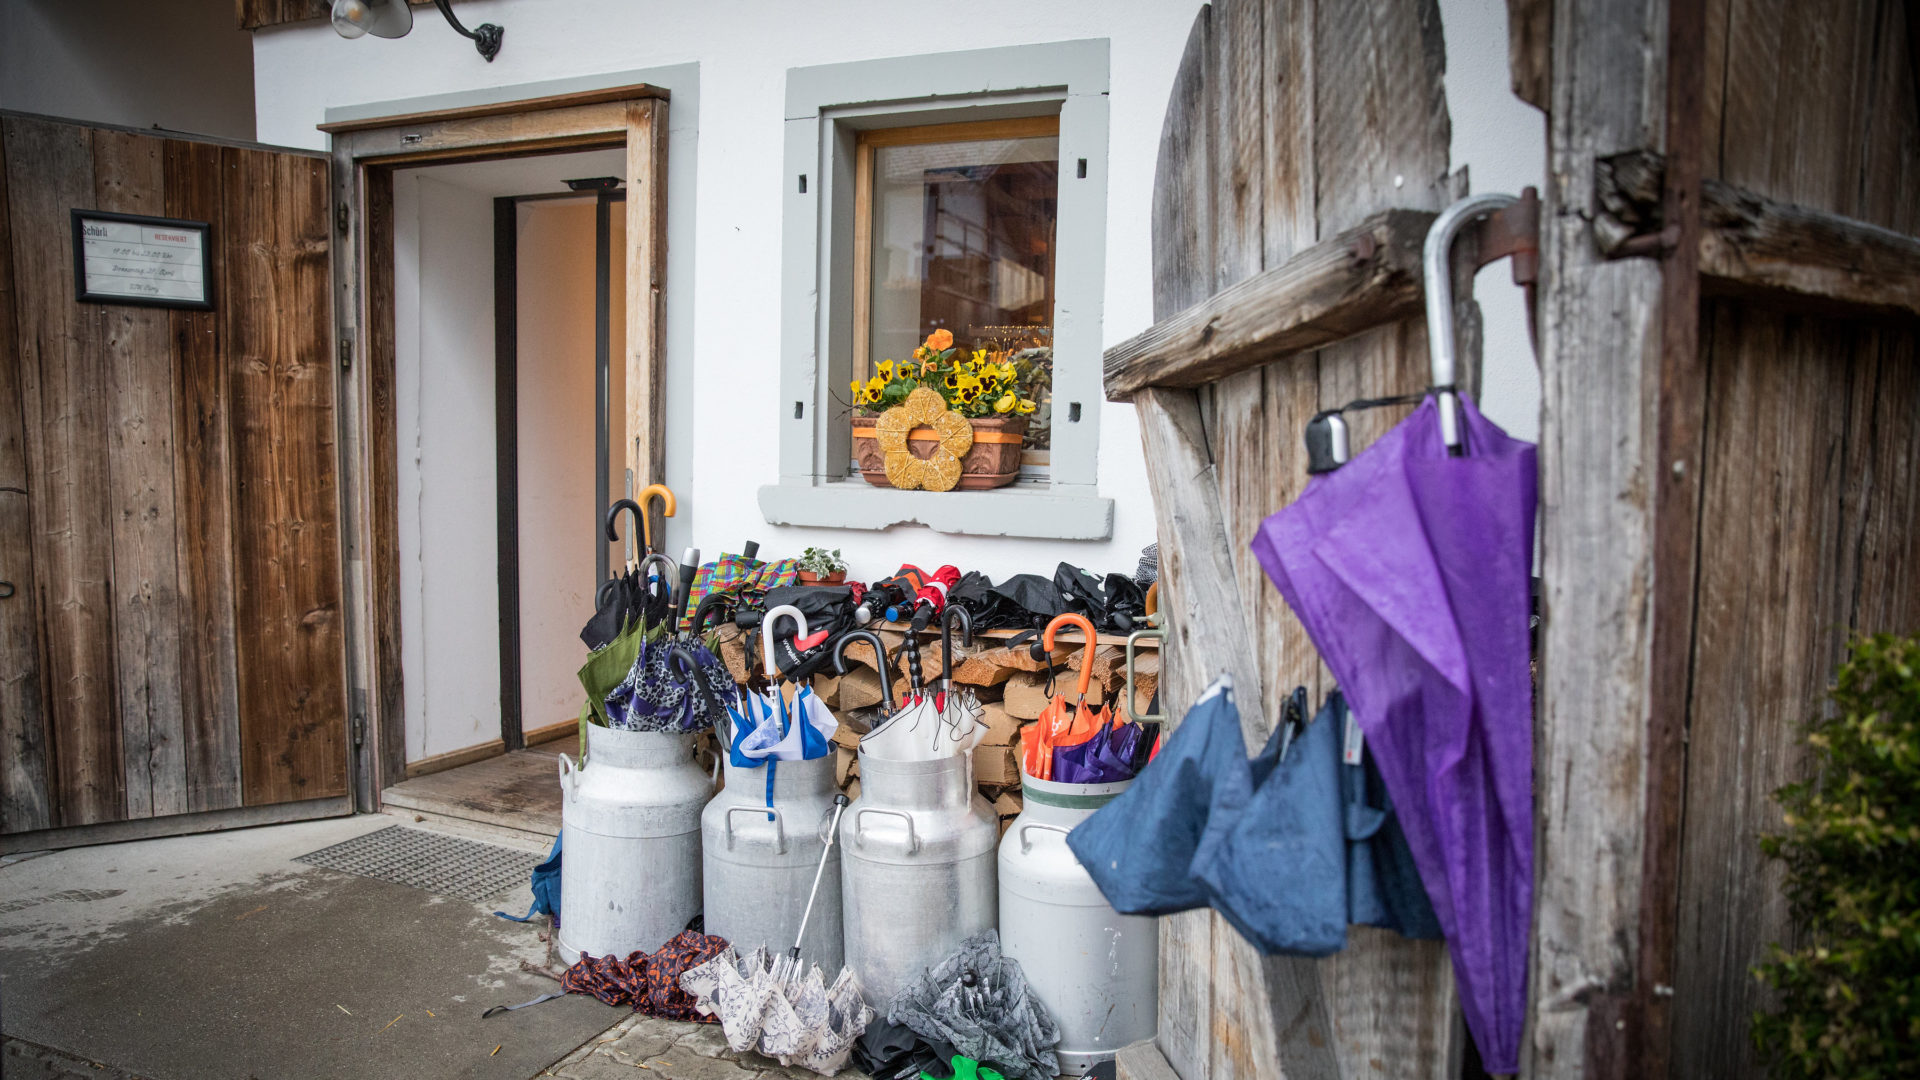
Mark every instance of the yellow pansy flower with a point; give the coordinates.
(1005, 404)
(1023, 406)
(968, 382)
(885, 370)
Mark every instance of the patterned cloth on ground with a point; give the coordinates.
(650, 983)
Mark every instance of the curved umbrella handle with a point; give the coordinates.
(709, 604)
(668, 504)
(681, 659)
(1086, 654)
(879, 660)
(948, 616)
(666, 571)
(766, 633)
(613, 516)
(1437, 257)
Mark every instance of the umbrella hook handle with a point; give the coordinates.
(682, 660)
(668, 504)
(666, 574)
(948, 616)
(1437, 259)
(766, 634)
(613, 517)
(840, 665)
(1086, 653)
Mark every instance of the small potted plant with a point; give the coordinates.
(818, 566)
(993, 392)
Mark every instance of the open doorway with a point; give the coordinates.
(508, 303)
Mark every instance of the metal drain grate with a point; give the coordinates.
(466, 869)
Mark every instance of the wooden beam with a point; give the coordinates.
(602, 96)
(1761, 248)
(1363, 278)
(646, 298)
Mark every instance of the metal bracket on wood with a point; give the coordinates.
(1754, 246)
(346, 352)
(340, 218)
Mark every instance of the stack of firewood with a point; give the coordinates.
(1012, 686)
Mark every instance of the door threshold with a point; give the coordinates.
(510, 796)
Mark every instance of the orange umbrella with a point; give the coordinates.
(1061, 724)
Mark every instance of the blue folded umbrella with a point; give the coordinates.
(1383, 884)
(1277, 865)
(1139, 848)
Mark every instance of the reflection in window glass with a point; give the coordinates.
(962, 240)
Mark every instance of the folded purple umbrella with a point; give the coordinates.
(1410, 570)
(1106, 758)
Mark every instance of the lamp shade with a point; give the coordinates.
(381, 18)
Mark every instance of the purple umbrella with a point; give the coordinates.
(1410, 570)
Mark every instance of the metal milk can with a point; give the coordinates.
(759, 870)
(630, 842)
(916, 869)
(1095, 970)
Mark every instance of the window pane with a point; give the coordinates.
(963, 236)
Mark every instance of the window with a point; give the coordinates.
(964, 192)
(954, 229)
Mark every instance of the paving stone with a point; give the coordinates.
(645, 1037)
(682, 1063)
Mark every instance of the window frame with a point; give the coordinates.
(827, 108)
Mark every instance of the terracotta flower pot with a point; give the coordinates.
(838, 577)
(993, 462)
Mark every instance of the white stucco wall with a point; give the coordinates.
(722, 433)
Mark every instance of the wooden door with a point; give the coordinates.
(169, 516)
(1303, 142)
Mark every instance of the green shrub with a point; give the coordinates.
(1849, 1000)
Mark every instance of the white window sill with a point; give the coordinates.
(1024, 510)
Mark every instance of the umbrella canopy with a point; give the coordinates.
(1409, 567)
(1140, 846)
(1061, 724)
(960, 709)
(978, 1001)
(916, 731)
(798, 1019)
(779, 727)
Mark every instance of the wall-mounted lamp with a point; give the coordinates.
(393, 18)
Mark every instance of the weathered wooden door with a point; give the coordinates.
(171, 642)
(1302, 141)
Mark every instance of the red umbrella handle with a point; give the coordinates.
(1086, 655)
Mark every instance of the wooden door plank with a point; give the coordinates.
(129, 179)
(25, 793)
(383, 483)
(1764, 647)
(203, 488)
(62, 367)
(292, 660)
(1599, 330)
(646, 298)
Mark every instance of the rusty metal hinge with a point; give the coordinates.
(359, 730)
(346, 352)
(340, 218)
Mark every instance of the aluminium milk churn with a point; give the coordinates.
(630, 842)
(758, 869)
(1095, 970)
(916, 869)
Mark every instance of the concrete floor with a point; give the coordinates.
(218, 956)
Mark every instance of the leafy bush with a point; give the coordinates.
(1849, 1000)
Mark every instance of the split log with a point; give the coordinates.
(995, 765)
(1002, 727)
(1009, 804)
(1026, 696)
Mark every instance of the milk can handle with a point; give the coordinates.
(569, 775)
(1027, 845)
(913, 840)
(779, 825)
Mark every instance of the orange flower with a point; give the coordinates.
(940, 339)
